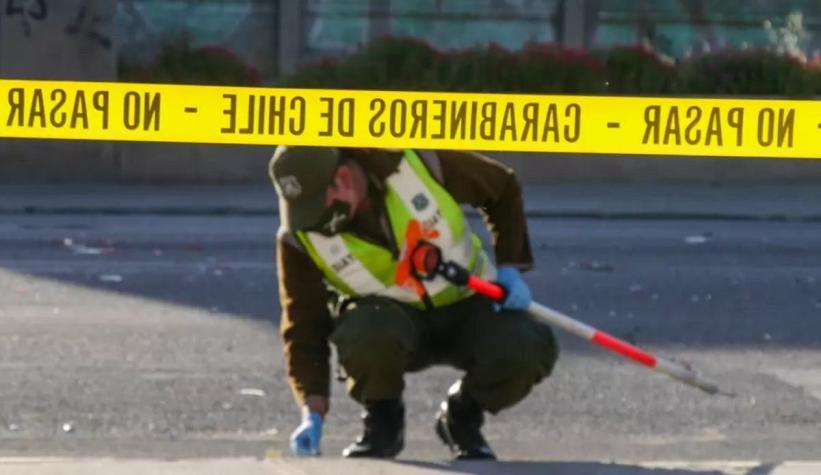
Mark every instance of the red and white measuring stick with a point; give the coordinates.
(428, 263)
(671, 368)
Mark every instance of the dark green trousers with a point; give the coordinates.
(503, 355)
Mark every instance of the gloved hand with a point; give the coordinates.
(518, 293)
(306, 439)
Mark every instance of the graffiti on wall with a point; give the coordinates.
(28, 11)
(90, 24)
(87, 21)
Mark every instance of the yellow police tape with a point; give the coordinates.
(500, 122)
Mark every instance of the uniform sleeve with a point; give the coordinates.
(305, 322)
(493, 189)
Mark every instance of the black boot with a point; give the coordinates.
(459, 423)
(384, 434)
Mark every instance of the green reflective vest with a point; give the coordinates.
(357, 267)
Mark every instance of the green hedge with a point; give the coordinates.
(180, 63)
(410, 64)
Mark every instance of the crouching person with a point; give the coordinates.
(349, 221)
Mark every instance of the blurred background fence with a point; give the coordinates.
(275, 37)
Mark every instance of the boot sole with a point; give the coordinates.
(385, 454)
(446, 437)
(444, 434)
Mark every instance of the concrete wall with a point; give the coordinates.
(75, 40)
(62, 162)
(181, 163)
(148, 163)
(557, 168)
(56, 39)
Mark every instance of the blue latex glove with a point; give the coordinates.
(306, 438)
(518, 293)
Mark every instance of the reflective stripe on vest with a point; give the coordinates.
(357, 267)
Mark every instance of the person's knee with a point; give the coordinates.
(376, 335)
(528, 349)
(506, 377)
(513, 352)
(515, 369)
(543, 348)
(375, 352)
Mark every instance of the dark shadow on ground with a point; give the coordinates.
(712, 295)
(204, 263)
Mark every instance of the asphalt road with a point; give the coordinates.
(155, 336)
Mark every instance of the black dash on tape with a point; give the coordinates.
(191, 110)
(613, 125)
